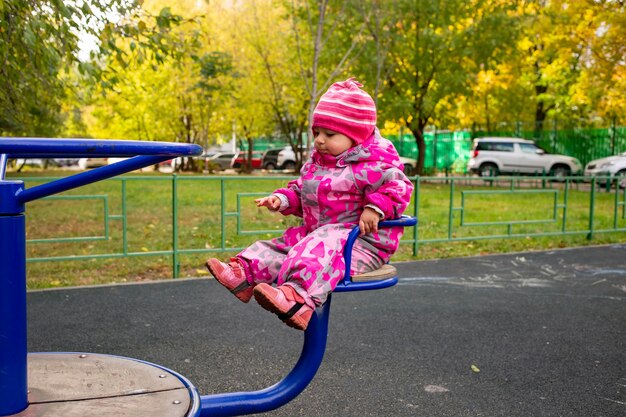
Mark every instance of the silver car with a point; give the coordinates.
(614, 166)
(224, 159)
(410, 165)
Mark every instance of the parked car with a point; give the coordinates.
(37, 163)
(167, 166)
(255, 163)
(286, 159)
(116, 159)
(493, 156)
(270, 159)
(66, 162)
(224, 160)
(202, 162)
(84, 163)
(410, 165)
(614, 166)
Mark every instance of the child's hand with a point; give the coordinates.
(368, 223)
(272, 202)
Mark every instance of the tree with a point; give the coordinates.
(36, 42)
(259, 104)
(563, 63)
(280, 51)
(328, 39)
(602, 82)
(431, 51)
(39, 47)
(553, 43)
(174, 98)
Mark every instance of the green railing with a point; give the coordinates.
(176, 216)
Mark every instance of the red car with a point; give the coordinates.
(256, 162)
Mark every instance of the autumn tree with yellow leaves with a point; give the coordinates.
(202, 71)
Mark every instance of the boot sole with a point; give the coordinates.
(243, 295)
(268, 304)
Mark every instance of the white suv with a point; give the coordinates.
(493, 156)
(286, 159)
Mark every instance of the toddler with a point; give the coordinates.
(353, 177)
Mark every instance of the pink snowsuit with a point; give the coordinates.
(330, 196)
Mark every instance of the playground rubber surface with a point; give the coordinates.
(524, 334)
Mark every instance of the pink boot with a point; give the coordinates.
(232, 276)
(286, 303)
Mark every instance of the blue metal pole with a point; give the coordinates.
(88, 177)
(241, 403)
(77, 148)
(3, 165)
(13, 349)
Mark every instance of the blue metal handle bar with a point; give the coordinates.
(69, 148)
(241, 403)
(88, 177)
(347, 284)
(152, 153)
(3, 165)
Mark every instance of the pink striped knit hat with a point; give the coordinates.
(346, 109)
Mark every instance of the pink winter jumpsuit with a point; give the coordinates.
(330, 196)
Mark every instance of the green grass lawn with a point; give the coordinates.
(149, 213)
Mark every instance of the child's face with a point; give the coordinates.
(331, 142)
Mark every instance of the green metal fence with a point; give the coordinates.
(446, 151)
(177, 216)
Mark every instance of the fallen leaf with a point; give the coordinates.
(475, 368)
(435, 388)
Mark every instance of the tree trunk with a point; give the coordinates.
(247, 161)
(541, 113)
(418, 134)
(488, 119)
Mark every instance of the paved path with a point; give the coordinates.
(547, 330)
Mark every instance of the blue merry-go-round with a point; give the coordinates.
(71, 384)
